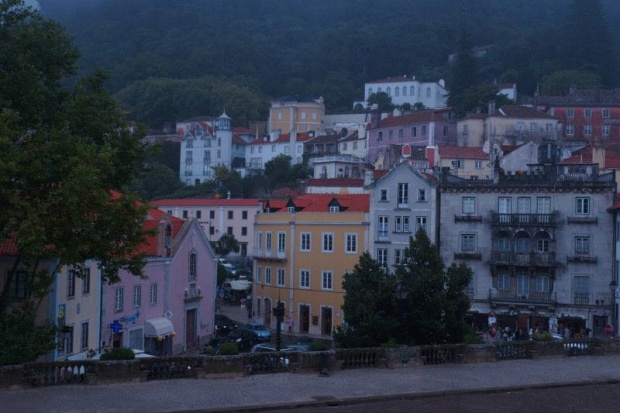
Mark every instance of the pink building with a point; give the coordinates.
(171, 310)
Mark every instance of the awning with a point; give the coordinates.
(240, 285)
(156, 327)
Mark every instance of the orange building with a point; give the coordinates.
(302, 114)
(303, 248)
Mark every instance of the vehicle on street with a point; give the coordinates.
(224, 325)
(261, 332)
(231, 269)
(572, 345)
(268, 348)
(244, 338)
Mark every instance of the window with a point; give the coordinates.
(446, 130)
(268, 275)
(468, 242)
(570, 130)
(304, 278)
(259, 274)
(399, 256)
(305, 241)
(396, 91)
(403, 194)
(588, 113)
(259, 240)
(605, 113)
(581, 288)
(421, 195)
(327, 280)
(137, 296)
(423, 131)
(280, 280)
(18, 284)
(351, 243)
(523, 285)
(468, 205)
(548, 127)
(570, 112)
(281, 242)
(198, 214)
(230, 214)
(268, 240)
(153, 294)
(185, 214)
(414, 131)
(388, 90)
(533, 127)
(211, 214)
(67, 339)
(543, 205)
(71, 284)
(118, 299)
(503, 282)
(244, 214)
(401, 223)
(260, 149)
(390, 134)
(520, 126)
(428, 92)
(192, 267)
(244, 231)
(478, 164)
(84, 340)
(328, 242)
(582, 245)
(379, 136)
(400, 134)
(86, 281)
(383, 195)
(542, 283)
(334, 208)
(383, 226)
(382, 257)
(587, 130)
(606, 130)
(582, 206)
(273, 148)
(420, 223)
(411, 90)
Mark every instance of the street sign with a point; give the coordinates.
(609, 330)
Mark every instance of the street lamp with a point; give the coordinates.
(613, 285)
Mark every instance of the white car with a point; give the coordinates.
(139, 354)
(229, 267)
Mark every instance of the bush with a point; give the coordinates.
(229, 349)
(391, 343)
(118, 353)
(317, 346)
(544, 336)
(472, 338)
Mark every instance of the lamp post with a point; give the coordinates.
(401, 293)
(278, 312)
(613, 286)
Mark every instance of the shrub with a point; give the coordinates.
(229, 349)
(544, 336)
(118, 353)
(472, 338)
(391, 343)
(317, 346)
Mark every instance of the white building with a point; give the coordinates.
(403, 89)
(261, 151)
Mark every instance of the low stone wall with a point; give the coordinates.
(205, 367)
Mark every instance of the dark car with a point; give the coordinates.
(244, 338)
(224, 325)
(261, 332)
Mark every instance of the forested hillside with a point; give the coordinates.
(163, 55)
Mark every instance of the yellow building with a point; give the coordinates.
(294, 113)
(303, 248)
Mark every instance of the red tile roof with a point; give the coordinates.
(420, 116)
(321, 202)
(8, 247)
(517, 111)
(463, 152)
(346, 182)
(584, 155)
(394, 79)
(193, 202)
(150, 246)
(283, 138)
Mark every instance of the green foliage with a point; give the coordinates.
(559, 83)
(382, 100)
(222, 274)
(543, 336)
(225, 245)
(369, 308)
(229, 349)
(22, 340)
(118, 353)
(477, 98)
(391, 343)
(471, 337)
(317, 346)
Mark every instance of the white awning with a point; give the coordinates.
(240, 285)
(160, 326)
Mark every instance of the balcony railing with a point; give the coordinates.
(269, 254)
(511, 296)
(542, 259)
(586, 259)
(524, 219)
(467, 218)
(582, 220)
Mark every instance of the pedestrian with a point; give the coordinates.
(290, 323)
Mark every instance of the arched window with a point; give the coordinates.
(192, 267)
(388, 90)
(411, 90)
(428, 92)
(404, 90)
(369, 91)
(523, 247)
(396, 91)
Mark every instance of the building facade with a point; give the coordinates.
(403, 89)
(295, 113)
(303, 249)
(538, 243)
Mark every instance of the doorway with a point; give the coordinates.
(190, 329)
(326, 321)
(598, 325)
(304, 318)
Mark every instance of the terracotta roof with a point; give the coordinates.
(8, 247)
(586, 97)
(420, 116)
(238, 140)
(242, 131)
(193, 202)
(394, 79)
(517, 111)
(353, 136)
(379, 173)
(464, 152)
(616, 204)
(296, 98)
(346, 182)
(150, 247)
(584, 155)
(321, 202)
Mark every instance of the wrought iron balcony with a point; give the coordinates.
(586, 259)
(539, 259)
(268, 254)
(521, 220)
(515, 297)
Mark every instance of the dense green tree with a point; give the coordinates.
(225, 245)
(64, 157)
(369, 306)
(559, 83)
(458, 278)
(158, 181)
(280, 173)
(477, 99)
(464, 73)
(382, 100)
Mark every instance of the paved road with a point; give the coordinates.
(252, 393)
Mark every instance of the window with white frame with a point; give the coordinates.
(582, 205)
(118, 299)
(606, 130)
(383, 195)
(399, 256)
(86, 281)
(468, 205)
(588, 113)
(281, 277)
(281, 242)
(268, 276)
(153, 294)
(570, 130)
(533, 127)
(582, 245)
(327, 280)
(383, 226)
(71, 284)
(478, 164)
(137, 296)
(542, 283)
(84, 338)
(382, 257)
(420, 223)
(468, 242)
(350, 243)
(570, 112)
(523, 285)
(401, 223)
(268, 240)
(503, 282)
(587, 130)
(304, 278)
(605, 113)
(259, 274)
(422, 195)
(403, 194)
(305, 241)
(581, 289)
(328, 242)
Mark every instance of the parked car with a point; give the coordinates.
(244, 338)
(224, 325)
(569, 344)
(272, 361)
(261, 332)
(267, 348)
(231, 269)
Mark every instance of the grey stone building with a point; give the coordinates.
(540, 244)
